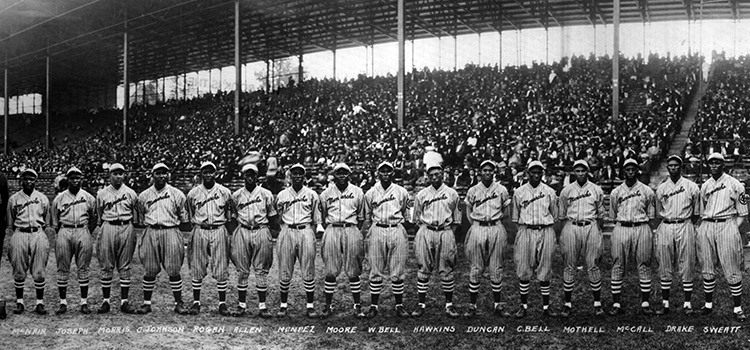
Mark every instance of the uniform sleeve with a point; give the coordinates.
(367, 206)
(99, 208)
(418, 203)
(189, 206)
(601, 213)
(361, 207)
(4, 196)
(270, 207)
(563, 204)
(181, 204)
(140, 209)
(658, 204)
(317, 214)
(741, 202)
(54, 220)
(651, 205)
(613, 205)
(469, 203)
(456, 208)
(10, 215)
(228, 205)
(45, 209)
(323, 206)
(94, 218)
(404, 198)
(516, 207)
(553, 209)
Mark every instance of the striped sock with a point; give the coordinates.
(124, 289)
(497, 289)
(736, 290)
(329, 289)
(523, 289)
(106, 288)
(398, 292)
(422, 286)
(616, 290)
(687, 288)
(568, 287)
(356, 287)
(473, 292)
(197, 285)
(448, 287)
(309, 291)
(221, 287)
(708, 289)
(39, 286)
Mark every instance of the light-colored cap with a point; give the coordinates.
(581, 162)
(29, 171)
(674, 157)
(158, 166)
(116, 166)
(486, 162)
(341, 166)
(272, 166)
(430, 149)
(630, 161)
(536, 163)
(250, 166)
(388, 164)
(716, 155)
(298, 166)
(207, 165)
(73, 170)
(433, 166)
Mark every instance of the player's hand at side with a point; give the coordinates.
(8, 232)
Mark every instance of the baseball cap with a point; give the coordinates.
(386, 164)
(716, 155)
(430, 149)
(158, 166)
(536, 163)
(341, 166)
(630, 161)
(298, 166)
(29, 171)
(209, 164)
(494, 166)
(116, 166)
(674, 157)
(272, 166)
(250, 166)
(432, 166)
(581, 162)
(73, 170)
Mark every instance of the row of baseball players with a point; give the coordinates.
(716, 209)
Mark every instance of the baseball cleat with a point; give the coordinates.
(646, 311)
(565, 313)
(85, 309)
(146, 309)
(372, 311)
(281, 313)
(126, 308)
(311, 313)
(62, 309)
(471, 312)
(241, 311)
(662, 311)
(18, 310)
(327, 312)
(224, 310)
(103, 309)
(598, 311)
(706, 310)
(451, 312)
(616, 311)
(195, 309)
(401, 312)
(179, 308)
(264, 313)
(39, 309)
(549, 313)
(521, 313)
(740, 316)
(358, 312)
(500, 311)
(419, 311)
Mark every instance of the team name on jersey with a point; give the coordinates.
(528, 202)
(717, 189)
(632, 195)
(250, 202)
(429, 202)
(342, 197)
(384, 200)
(200, 204)
(486, 199)
(20, 207)
(673, 193)
(580, 196)
(157, 199)
(110, 205)
(66, 206)
(284, 205)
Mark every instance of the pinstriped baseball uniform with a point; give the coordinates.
(676, 242)
(116, 243)
(436, 249)
(342, 245)
(486, 243)
(534, 246)
(163, 246)
(581, 206)
(297, 208)
(252, 248)
(70, 209)
(631, 205)
(209, 244)
(721, 199)
(388, 246)
(28, 251)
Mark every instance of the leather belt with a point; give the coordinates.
(209, 227)
(253, 227)
(74, 226)
(537, 227)
(118, 222)
(28, 229)
(581, 223)
(677, 221)
(487, 223)
(631, 224)
(342, 225)
(386, 225)
(714, 220)
(297, 227)
(162, 227)
(436, 228)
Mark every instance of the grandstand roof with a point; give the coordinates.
(85, 42)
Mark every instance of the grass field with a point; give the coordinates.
(149, 331)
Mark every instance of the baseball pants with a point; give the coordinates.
(296, 244)
(533, 253)
(116, 246)
(388, 249)
(637, 240)
(162, 248)
(576, 240)
(342, 246)
(252, 250)
(28, 252)
(485, 247)
(73, 242)
(675, 247)
(435, 250)
(209, 247)
(722, 241)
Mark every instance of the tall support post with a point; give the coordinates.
(237, 67)
(126, 85)
(479, 46)
(184, 86)
(268, 76)
(616, 62)
(46, 108)
(334, 64)
(440, 52)
(546, 45)
(5, 111)
(401, 58)
(500, 58)
(455, 53)
(300, 70)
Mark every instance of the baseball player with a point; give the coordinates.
(29, 248)
(436, 211)
(534, 212)
(677, 201)
(299, 208)
(723, 209)
(486, 203)
(72, 212)
(4, 196)
(631, 206)
(251, 246)
(342, 210)
(386, 207)
(581, 206)
(115, 206)
(161, 208)
(208, 210)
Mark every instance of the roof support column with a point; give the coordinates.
(268, 76)
(455, 53)
(616, 62)
(401, 58)
(300, 70)
(5, 111)
(546, 45)
(500, 60)
(46, 108)
(237, 67)
(334, 64)
(126, 85)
